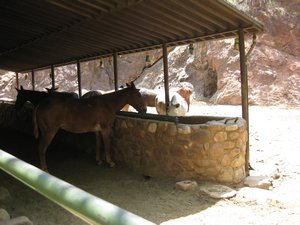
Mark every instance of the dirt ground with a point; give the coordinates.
(274, 147)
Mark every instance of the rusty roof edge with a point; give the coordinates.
(84, 58)
(258, 25)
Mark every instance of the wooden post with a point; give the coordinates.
(17, 79)
(116, 71)
(79, 78)
(52, 77)
(244, 87)
(166, 77)
(32, 79)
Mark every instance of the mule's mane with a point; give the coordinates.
(29, 95)
(117, 93)
(32, 92)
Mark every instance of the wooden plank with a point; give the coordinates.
(166, 76)
(52, 77)
(17, 79)
(32, 80)
(79, 78)
(116, 70)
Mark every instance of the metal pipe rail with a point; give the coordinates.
(87, 207)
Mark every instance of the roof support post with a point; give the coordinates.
(52, 77)
(166, 77)
(244, 87)
(17, 79)
(79, 78)
(32, 80)
(116, 70)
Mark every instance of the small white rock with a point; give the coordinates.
(4, 215)
(262, 182)
(186, 185)
(21, 220)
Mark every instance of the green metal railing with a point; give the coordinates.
(88, 207)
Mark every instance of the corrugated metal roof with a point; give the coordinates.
(36, 34)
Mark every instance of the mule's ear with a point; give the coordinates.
(22, 88)
(132, 84)
(128, 85)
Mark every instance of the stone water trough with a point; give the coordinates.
(192, 147)
(203, 148)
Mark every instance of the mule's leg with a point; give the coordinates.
(106, 139)
(98, 158)
(44, 142)
(35, 124)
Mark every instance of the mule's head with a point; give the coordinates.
(136, 100)
(21, 98)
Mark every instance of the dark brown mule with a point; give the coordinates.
(35, 97)
(83, 115)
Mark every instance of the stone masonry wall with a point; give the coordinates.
(214, 150)
(10, 119)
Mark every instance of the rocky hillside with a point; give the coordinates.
(212, 69)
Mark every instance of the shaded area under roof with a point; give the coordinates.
(37, 34)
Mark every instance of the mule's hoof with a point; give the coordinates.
(112, 164)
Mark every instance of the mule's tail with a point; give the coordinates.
(35, 124)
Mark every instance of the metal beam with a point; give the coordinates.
(82, 204)
(244, 87)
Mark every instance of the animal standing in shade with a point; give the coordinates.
(179, 103)
(150, 95)
(35, 97)
(92, 114)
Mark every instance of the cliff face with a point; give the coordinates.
(274, 65)
(212, 69)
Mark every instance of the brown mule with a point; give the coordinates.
(92, 114)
